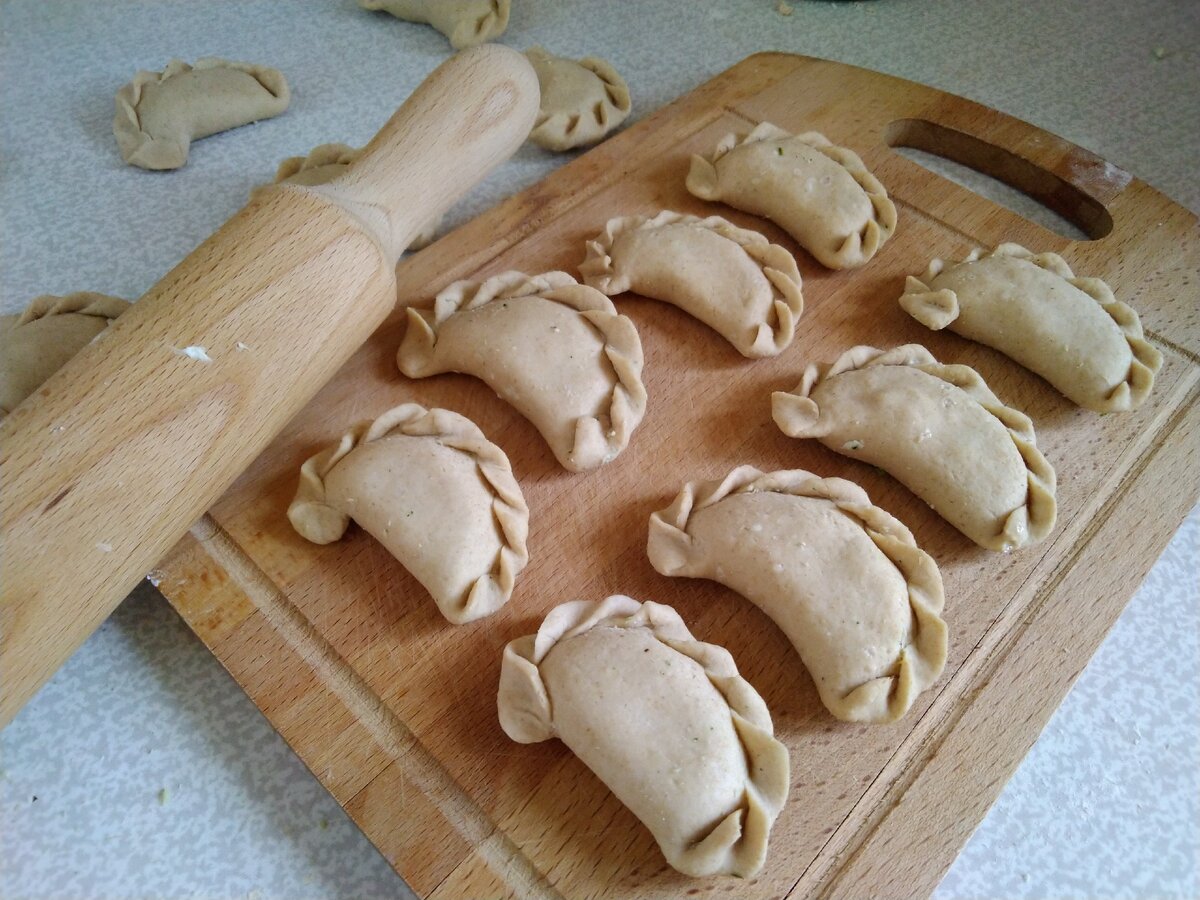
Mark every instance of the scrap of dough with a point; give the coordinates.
(939, 430)
(466, 23)
(324, 163)
(555, 349)
(159, 114)
(38, 342)
(822, 195)
(1032, 308)
(732, 279)
(664, 720)
(842, 578)
(432, 489)
(582, 100)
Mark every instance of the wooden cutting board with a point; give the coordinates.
(394, 709)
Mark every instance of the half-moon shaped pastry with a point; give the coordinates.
(582, 101)
(734, 280)
(937, 429)
(555, 349)
(821, 195)
(432, 489)
(38, 342)
(846, 582)
(324, 163)
(662, 719)
(159, 114)
(466, 22)
(1031, 307)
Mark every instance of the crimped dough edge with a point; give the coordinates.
(777, 265)
(937, 308)
(859, 247)
(562, 130)
(919, 664)
(797, 415)
(595, 441)
(736, 845)
(320, 155)
(81, 303)
(321, 523)
(136, 146)
(467, 31)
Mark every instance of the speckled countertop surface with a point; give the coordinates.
(143, 770)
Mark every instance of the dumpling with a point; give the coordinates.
(581, 101)
(1031, 307)
(734, 280)
(822, 195)
(555, 349)
(937, 429)
(664, 721)
(846, 582)
(38, 342)
(432, 489)
(466, 22)
(324, 163)
(159, 114)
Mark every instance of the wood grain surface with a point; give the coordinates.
(394, 709)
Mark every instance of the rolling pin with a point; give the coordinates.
(108, 464)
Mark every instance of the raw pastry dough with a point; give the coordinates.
(821, 195)
(159, 114)
(581, 101)
(432, 489)
(38, 342)
(555, 349)
(1031, 307)
(733, 280)
(662, 719)
(466, 22)
(936, 428)
(324, 163)
(846, 582)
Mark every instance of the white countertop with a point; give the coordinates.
(142, 769)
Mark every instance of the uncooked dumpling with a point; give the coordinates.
(432, 489)
(326, 162)
(664, 720)
(38, 342)
(822, 195)
(159, 114)
(466, 22)
(582, 101)
(1031, 307)
(939, 430)
(846, 582)
(732, 279)
(555, 349)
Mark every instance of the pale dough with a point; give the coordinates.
(582, 101)
(822, 195)
(936, 428)
(38, 342)
(432, 489)
(842, 578)
(1031, 307)
(467, 23)
(159, 114)
(555, 349)
(732, 279)
(664, 720)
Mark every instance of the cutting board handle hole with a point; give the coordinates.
(999, 175)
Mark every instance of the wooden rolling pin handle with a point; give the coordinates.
(107, 465)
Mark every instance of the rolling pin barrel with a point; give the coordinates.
(108, 464)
